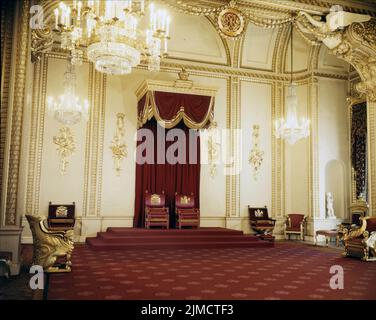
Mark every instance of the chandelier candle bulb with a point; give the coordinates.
(62, 6)
(56, 11)
(79, 6)
(68, 21)
(168, 26)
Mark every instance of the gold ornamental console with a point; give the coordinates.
(50, 244)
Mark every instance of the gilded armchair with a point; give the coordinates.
(358, 210)
(294, 224)
(186, 213)
(361, 242)
(156, 213)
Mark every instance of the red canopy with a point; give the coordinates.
(169, 108)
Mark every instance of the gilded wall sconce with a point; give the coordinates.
(213, 148)
(256, 155)
(118, 145)
(65, 146)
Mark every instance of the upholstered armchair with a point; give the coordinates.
(260, 221)
(361, 242)
(156, 214)
(295, 224)
(186, 213)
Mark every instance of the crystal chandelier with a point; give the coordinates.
(67, 108)
(112, 32)
(292, 129)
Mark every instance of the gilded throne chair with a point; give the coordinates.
(361, 242)
(295, 224)
(156, 213)
(61, 216)
(260, 221)
(358, 210)
(186, 213)
(53, 237)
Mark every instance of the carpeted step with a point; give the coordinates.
(137, 238)
(98, 244)
(111, 238)
(163, 232)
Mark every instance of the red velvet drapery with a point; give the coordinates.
(170, 110)
(183, 178)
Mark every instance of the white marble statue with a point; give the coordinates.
(329, 206)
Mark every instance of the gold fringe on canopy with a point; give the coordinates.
(150, 110)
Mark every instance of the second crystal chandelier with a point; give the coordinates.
(292, 129)
(113, 34)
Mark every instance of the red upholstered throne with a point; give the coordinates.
(186, 213)
(156, 214)
(295, 224)
(260, 221)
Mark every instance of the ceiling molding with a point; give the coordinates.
(276, 7)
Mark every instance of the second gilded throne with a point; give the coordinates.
(156, 212)
(186, 213)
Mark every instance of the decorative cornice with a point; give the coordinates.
(177, 86)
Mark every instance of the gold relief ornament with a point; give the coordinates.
(185, 200)
(231, 22)
(65, 146)
(213, 148)
(256, 156)
(118, 146)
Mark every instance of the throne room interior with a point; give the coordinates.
(281, 96)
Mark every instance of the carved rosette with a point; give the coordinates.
(256, 155)
(65, 147)
(118, 146)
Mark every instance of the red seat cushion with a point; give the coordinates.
(293, 229)
(263, 224)
(371, 224)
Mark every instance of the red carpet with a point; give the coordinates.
(287, 271)
(143, 239)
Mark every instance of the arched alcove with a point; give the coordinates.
(335, 182)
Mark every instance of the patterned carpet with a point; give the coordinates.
(287, 271)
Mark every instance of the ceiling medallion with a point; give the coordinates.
(231, 22)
